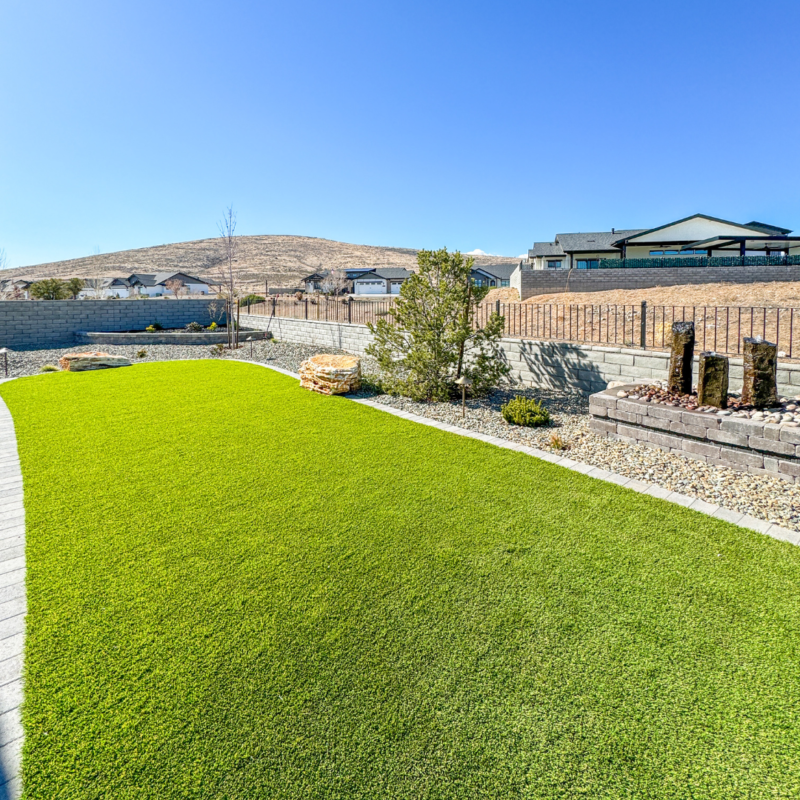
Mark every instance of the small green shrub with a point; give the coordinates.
(251, 299)
(156, 326)
(525, 411)
(141, 354)
(48, 368)
(212, 327)
(217, 349)
(194, 327)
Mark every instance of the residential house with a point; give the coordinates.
(316, 282)
(697, 237)
(15, 289)
(493, 275)
(155, 284)
(385, 280)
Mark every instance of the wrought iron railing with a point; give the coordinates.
(718, 328)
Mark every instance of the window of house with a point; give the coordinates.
(670, 252)
(588, 263)
(505, 283)
(694, 252)
(656, 252)
(554, 264)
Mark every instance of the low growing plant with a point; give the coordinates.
(558, 443)
(194, 327)
(141, 354)
(212, 327)
(525, 411)
(49, 368)
(217, 349)
(156, 326)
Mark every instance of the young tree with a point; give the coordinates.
(335, 282)
(433, 339)
(74, 286)
(228, 288)
(49, 289)
(175, 285)
(97, 286)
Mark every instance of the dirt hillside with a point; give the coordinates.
(282, 260)
(780, 294)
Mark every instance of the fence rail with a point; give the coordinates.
(718, 328)
(698, 261)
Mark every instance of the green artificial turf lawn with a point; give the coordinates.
(239, 589)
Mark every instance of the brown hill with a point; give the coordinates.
(282, 260)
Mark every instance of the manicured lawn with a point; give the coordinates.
(238, 589)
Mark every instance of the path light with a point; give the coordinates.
(463, 382)
(4, 351)
(250, 339)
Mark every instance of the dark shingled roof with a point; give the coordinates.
(390, 273)
(502, 271)
(590, 242)
(546, 249)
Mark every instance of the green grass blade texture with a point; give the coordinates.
(239, 589)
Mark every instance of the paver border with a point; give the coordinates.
(13, 601)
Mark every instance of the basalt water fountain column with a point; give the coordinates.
(712, 380)
(760, 384)
(680, 359)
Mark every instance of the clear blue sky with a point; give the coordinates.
(419, 124)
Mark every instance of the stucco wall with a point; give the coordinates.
(530, 282)
(47, 323)
(559, 365)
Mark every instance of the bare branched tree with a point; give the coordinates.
(229, 290)
(175, 285)
(335, 282)
(98, 287)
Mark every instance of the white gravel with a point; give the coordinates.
(764, 497)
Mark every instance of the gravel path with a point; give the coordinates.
(766, 498)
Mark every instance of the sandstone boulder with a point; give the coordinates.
(331, 374)
(79, 362)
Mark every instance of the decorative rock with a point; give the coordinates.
(80, 362)
(331, 374)
(681, 355)
(614, 384)
(712, 381)
(759, 386)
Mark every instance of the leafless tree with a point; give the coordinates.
(98, 287)
(229, 290)
(335, 282)
(176, 286)
(216, 308)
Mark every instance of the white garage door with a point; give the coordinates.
(395, 288)
(370, 287)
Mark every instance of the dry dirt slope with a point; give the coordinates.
(283, 260)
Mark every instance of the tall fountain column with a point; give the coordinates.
(712, 380)
(760, 382)
(680, 359)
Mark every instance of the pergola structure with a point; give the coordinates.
(780, 244)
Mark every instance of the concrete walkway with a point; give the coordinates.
(12, 608)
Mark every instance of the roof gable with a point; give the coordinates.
(593, 242)
(690, 229)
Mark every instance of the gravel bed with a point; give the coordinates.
(281, 354)
(760, 496)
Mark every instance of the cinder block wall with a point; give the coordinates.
(49, 323)
(557, 365)
(530, 282)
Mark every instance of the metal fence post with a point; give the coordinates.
(349, 315)
(644, 324)
(306, 305)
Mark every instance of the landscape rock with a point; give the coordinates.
(712, 381)
(680, 359)
(759, 385)
(329, 374)
(80, 362)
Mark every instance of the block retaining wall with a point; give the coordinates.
(530, 282)
(742, 444)
(557, 365)
(49, 323)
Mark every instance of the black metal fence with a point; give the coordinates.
(718, 328)
(698, 261)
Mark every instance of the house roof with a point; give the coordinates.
(387, 273)
(502, 271)
(633, 234)
(546, 249)
(593, 242)
(158, 278)
(769, 229)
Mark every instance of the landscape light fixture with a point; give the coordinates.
(250, 339)
(4, 351)
(463, 382)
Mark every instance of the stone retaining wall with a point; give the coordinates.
(557, 365)
(49, 323)
(742, 444)
(162, 337)
(530, 282)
